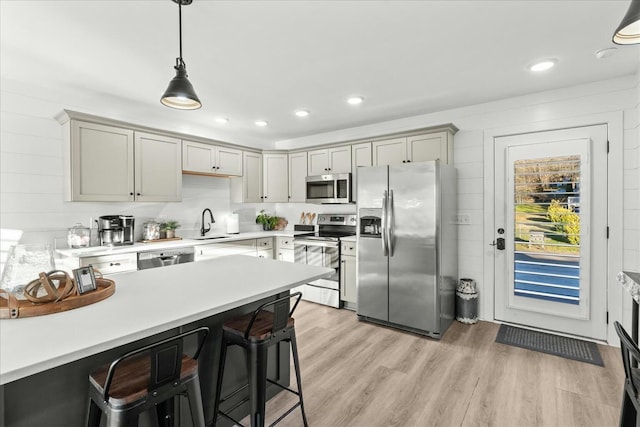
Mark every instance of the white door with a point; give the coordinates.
(551, 212)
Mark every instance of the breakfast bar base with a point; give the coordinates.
(58, 396)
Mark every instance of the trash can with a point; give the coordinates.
(467, 301)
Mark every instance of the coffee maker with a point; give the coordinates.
(115, 230)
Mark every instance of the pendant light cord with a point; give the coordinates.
(180, 27)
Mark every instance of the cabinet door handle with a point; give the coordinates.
(111, 264)
(137, 194)
(131, 194)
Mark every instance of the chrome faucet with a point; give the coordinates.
(203, 230)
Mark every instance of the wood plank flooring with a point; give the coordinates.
(360, 374)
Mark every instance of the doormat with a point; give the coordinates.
(569, 348)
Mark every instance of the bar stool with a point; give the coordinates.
(255, 333)
(146, 378)
(630, 398)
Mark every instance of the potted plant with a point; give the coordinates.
(169, 227)
(268, 222)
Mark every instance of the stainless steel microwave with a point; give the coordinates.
(334, 188)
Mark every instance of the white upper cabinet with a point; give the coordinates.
(297, 177)
(98, 163)
(360, 157)
(330, 160)
(275, 179)
(390, 151)
(248, 187)
(211, 159)
(158, 171)
(433, 146)
(417, 148)
(111, 164)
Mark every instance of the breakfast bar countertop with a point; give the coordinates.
(146, 302)
(631, 282)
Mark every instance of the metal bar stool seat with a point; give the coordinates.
(149, 377)
(255, 333)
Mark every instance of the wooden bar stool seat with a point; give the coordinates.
(146, 378)
(255, 333)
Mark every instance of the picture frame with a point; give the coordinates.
(85, 279)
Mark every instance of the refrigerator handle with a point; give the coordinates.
(390, 223)
(383, 224)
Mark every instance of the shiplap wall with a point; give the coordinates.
(31, 164)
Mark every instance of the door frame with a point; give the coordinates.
(619, 308)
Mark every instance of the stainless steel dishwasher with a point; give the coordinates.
(162, 258)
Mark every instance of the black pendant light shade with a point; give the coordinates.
(180, 93)
(629, 30)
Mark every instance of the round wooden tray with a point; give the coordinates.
(104, 289)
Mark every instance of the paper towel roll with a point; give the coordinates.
(233, 224)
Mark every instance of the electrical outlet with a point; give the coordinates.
(463, 219)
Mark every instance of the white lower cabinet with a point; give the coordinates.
(110, 264)
(348, 291)
(264, 247)
(261, 248)
(285, 249)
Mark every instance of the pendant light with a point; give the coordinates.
(628, 32)
(180, 93)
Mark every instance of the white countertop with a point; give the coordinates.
(630, 280)
(159, 245)
(349, 239)
(146, 302)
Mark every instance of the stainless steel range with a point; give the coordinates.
(322, 248)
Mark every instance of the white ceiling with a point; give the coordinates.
(253, 60)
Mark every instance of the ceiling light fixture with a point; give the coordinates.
(180, 93)
(355, 100)
(543, 65)
(261, 123)
(222, 120)
(628, 32)
(302, 113)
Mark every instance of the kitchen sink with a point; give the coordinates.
(209, 237)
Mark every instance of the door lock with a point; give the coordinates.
(498, 243)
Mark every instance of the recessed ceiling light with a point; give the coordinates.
(261, 123)
(355, 100)
(222, 120)
(605, 53)
(302, 113)
(543, 65)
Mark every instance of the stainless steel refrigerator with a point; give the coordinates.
(407, 259)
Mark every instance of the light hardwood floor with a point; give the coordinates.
(359, 374)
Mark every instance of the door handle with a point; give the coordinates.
(383, 224)
(499, 243)
(390, 221)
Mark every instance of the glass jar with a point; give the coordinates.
(79, 236)
(24, 264)
(151, 230)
